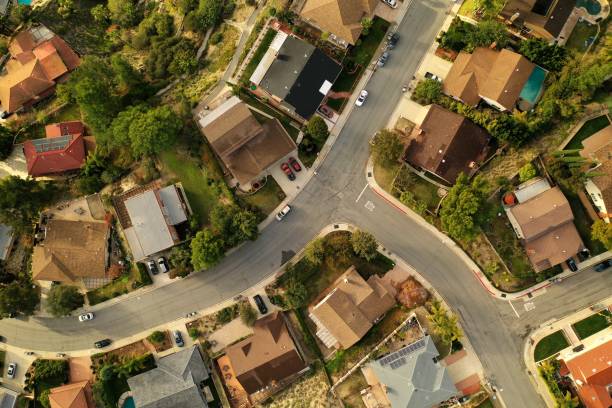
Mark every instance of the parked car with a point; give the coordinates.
(429, 75)
(12, 369)
(85, 317)
(572, 264)
(392, 40)
(163, 264)
(382, 60)
(178, 338)
(282, 213)
(363, 95)
(152, 267)
(390, 3)
(102, 343)
(294, 164)
(602, 266)
(287, 170)
(261, 305)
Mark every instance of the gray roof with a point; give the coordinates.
(8, 398)
(412, 378)
(172, 204)
(289, 63)
(6, 240)
(174, 383)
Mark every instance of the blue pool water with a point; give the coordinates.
(129, 403)
(26, 2)
(593, 7)
(534, 85)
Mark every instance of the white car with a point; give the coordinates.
(12, 369)
(390, 3)
(362, 97)
(283, 213)
(85, 317)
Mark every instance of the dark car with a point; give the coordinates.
(602, 266)
(572, 265)
(263, 309)
(294, 164)
(178, 338)
(152, 267)
(393, 39)
(383, 59)
(102, 343)
(287, 170)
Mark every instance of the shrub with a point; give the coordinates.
(527, 172)
(427, 91)
(411, 293)
(364, 244)
(193, 332)
(226, 315)
(216, 38)
(248, 315)
(157, 337)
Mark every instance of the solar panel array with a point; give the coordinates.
(398, 358)
(51, 144)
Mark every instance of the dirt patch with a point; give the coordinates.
(163, 345)
(310, 391)
(120, 355)
(96, 208)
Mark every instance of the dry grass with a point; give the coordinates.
(310, 391)
(349, 390)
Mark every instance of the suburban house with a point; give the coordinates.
(542, 219)
(410, 377)
(63, 149)
(245, 147)
(350, 307)
(598, 149)
(75, 395)
(591, 371)
(71, 252)
(179, 380)
(39, 60)
(295, 74)
(551, 20)
(268, 357)
(150, 217)
(8, 398)
(496, 77)
(340, 18)
(446, 144)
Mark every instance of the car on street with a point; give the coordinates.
(86, 316)
(288, 172)
(163, 264)
(102, 343)
(282, 213)
(602, 266)
(294, 164)
(572, 264)
(261, 305)
(12, 369)
(392, 40)
(429, 75)
(152, 267)
(382, 60)
(178, 338)
(363, 95)
(390, 3)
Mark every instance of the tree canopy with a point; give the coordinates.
(317, 129)
(427, 91)
(248, 314)
(207, 249)
(21, 200)
(364, 244)
(386, 148)
(234, 224)
(315, 251)
(6, 142)
(463, 36)
(63, 299)
(444, 323)
(602, 232)
(18, 298)
(527, 172)
(124, 12)
(550, 56)
(461, 209)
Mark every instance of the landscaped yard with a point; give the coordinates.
(349, 390)
(311, 390)
(582, 36)
(604, 96)
(592, 324)
(267, 198)
(136, 278)
(422, 190)
(583, 223)
(550, 345)
(589, 128)
(468, 7)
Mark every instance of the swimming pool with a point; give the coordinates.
(26, 2)
(593, 7)
(129, 403)
(533, 86)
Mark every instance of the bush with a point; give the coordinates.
(157, 337)
(364, 244)
(386, 148)
(527, 172)
(411, 293)
(317, 129)
(193, 332)
(550, 56)
(226, 315)
(427, 91)
(216, 38)
(6, 142)
(50, 369)
(248, 315)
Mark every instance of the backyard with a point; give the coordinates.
(37, 130)
(311, 390)
(583, 222)
(267, 198)
(592, 324)
(589, 128)
(584, 33)
(469, 7)
(349, 390)
(550, 345)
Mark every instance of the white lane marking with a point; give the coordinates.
(362, 191)
(370, 206)
(515, 312)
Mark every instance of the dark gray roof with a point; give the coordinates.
(559, 15)
(8, 398)
(174, 383)
(412, 378)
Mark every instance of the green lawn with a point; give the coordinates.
(592, 324)
(603, 96)
(550, 345)
(267, 198)
(422, 190)
(589, 128)
(583, 223)
(486, 404)
(468, 7)
(581, 37)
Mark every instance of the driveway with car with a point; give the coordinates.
(290, 187)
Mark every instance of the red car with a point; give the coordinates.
(287, 170)
(294, 163)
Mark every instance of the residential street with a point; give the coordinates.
(496, 333)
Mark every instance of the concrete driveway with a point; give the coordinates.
(23, 362)
(291, 188)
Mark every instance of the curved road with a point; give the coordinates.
(493, 328)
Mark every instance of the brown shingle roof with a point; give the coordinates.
(446, 144)
(71, 250)
(268, 355)
(75, 395)
(350, 308)
(340, 17)
(496, 75)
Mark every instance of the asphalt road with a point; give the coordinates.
(491, 325)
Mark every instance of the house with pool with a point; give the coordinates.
(502, 79)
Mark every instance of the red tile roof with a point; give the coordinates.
(592, 373)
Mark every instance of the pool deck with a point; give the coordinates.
(595, 18)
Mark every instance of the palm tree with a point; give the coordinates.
(444, 324)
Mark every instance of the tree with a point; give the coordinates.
(6, 142)
(386, 148)
(411, 293)
(315, 251)
(43, 398)
(65, 8)
(234, 224)
(602, 232)
(488, 32)
(193, 332)
(567, 401)
(180, 260)
(444, 324)
(157, 337)
(462, 207)
(18, 298)
(22, 200)
(100, 14)
(366, 24)
(124, 12)
(130, 82)
(550, 56)
(295, 293)
(153, 131)
(317, 129)
(364, 244)
(63, 299)
(427, 91)
(248, 315)
(207, 249)
(527, 172)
